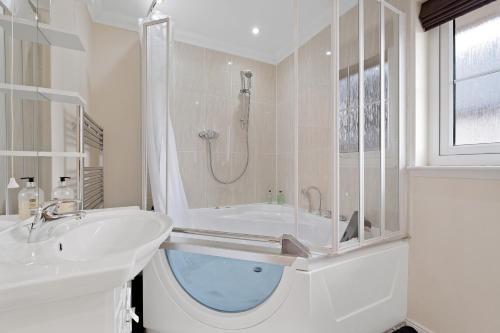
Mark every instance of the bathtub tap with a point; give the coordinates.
(307, 193)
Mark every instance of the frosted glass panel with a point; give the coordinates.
(477, 77)
(477, 110)
(477, 45)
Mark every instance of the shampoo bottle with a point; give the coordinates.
(29, 198)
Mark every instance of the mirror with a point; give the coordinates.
(49, 143)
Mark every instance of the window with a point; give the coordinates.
(469, 121)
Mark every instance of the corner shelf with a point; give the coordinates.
(41, 33)
(42, 94)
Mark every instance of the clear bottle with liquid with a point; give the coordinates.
(29, 198)
(64, 192)
(280, 198)
(270, 197)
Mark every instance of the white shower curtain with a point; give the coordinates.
(157, 74)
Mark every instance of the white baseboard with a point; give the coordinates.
(417, 326)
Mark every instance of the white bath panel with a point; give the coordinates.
(363, 292)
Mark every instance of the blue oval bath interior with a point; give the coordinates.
(222, 284)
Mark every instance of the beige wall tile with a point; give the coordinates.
(194, 179)
(189, 67)
(188, 119)
(206, 95)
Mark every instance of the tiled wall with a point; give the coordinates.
(314, 121)
(206, 96)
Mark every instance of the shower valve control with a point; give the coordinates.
(208, 134)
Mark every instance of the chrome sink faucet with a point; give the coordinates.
(48, 212)
(307, 193)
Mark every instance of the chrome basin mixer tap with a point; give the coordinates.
(49, 212)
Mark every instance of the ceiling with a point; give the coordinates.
(226, 25)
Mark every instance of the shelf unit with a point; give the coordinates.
(45, 34)
(42, 94)
(26, 153)
(41, 33)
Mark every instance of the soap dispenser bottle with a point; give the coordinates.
(29, 198)
(64, 192)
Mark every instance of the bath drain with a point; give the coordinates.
(257, 269)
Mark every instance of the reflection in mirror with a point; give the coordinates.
(41, 130)
(25, 122)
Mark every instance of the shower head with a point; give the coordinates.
(247, 74)
(246, 81)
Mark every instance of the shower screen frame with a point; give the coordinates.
(145, 188)
(335, 247)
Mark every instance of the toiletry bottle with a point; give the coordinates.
(64, 192)
(280, 198)
(29, 198)
(270, 197)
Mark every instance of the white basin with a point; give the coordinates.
(112, 235)
(102, 251)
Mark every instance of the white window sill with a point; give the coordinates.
(464, 172)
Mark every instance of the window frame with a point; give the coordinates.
(444, 151)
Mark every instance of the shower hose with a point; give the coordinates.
(247, 159)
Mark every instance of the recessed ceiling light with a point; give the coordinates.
(328, 53)
(229, 62)
(255, 31)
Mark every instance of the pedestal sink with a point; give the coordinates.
(75, 258)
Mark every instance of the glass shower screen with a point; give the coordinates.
(275, 127)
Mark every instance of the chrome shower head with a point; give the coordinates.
(246, 81)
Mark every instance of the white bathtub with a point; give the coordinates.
(359, 292)
(265, 219)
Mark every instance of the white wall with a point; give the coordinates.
(454, 253)
(454, 222)
(116, 105)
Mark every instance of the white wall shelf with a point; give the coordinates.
(42, 94)
(42, 34)
(22, 153)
